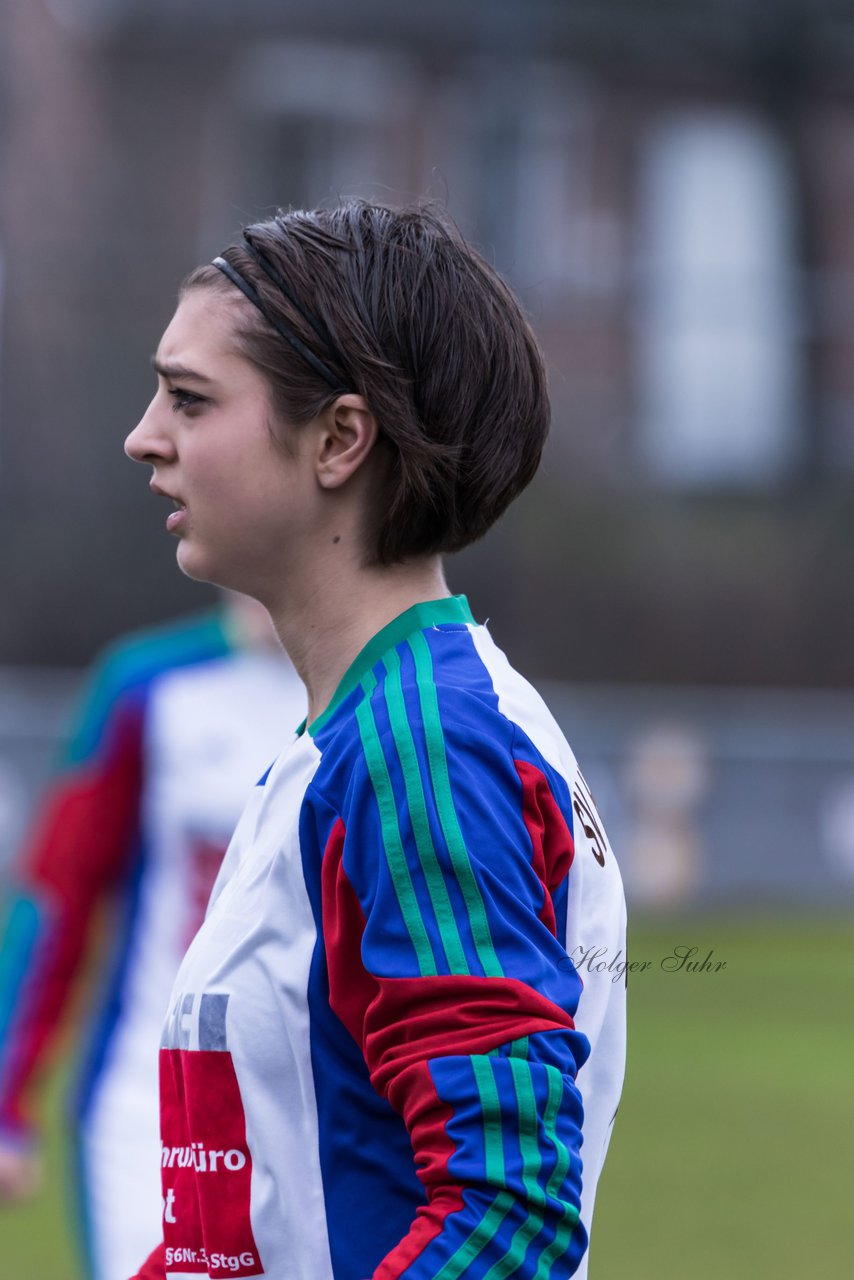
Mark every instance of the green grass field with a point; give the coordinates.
(732, 1153)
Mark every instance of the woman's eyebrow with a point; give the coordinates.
(177, 371)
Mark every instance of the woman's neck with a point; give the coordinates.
(323, 625)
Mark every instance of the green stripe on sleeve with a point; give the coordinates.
(392, 843)
(483, 1233)
(441, 783)
(553, 1101)
(490, 1106)
(529, 1149)
(18, 938)
(433, 877)
(559, 1245)
(493, 1128)
(474, 1244)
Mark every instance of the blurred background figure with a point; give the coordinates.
(177, 725)
(666, 780)
(668, 186)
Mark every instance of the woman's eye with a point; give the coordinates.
(182, 400)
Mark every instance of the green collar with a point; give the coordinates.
(430, 613)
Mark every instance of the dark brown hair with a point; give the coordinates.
(419, 324)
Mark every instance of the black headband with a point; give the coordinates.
(274, 275)
(249, 291)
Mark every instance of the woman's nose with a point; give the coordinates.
(148, 442)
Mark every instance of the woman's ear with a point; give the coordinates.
(347, 432)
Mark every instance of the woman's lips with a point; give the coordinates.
(176, 521)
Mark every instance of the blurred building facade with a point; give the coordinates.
(668, 188)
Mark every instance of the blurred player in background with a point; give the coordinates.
(176, 727)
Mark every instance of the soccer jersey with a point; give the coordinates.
(380, 1059)
(175, 729)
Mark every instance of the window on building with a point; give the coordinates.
(516, 148)
(302, 122)
(718, 339)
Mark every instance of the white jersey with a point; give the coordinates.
(380, 1058)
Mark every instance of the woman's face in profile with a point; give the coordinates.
(242, 505)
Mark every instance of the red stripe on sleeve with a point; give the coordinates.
(415, 1019)
(351, 988)
(78, 851)
(426, 1117)
(551, 840)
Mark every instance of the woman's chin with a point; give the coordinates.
(192, 562)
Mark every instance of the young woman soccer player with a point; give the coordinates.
(379, 1059)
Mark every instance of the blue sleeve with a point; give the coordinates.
(450, 852)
